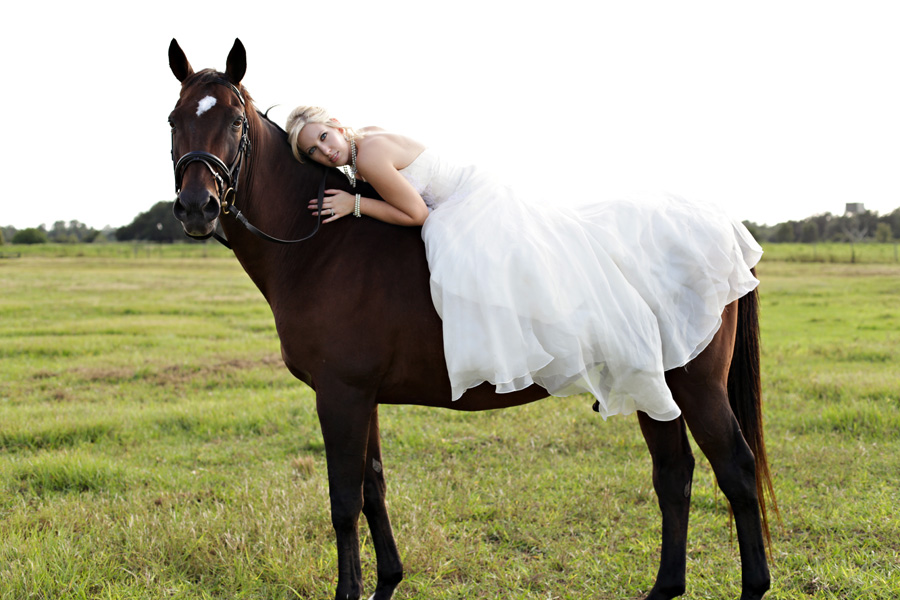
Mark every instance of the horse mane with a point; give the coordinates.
(265, 117)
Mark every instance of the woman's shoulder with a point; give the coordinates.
(379, 145)
(376, 137)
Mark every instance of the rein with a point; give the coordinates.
(269, 238)
(227, 179)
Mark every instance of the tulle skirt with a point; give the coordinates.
(601, 298)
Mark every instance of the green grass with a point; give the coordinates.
(834, 252)
(153, 446)
(831, 353)
(118, 250)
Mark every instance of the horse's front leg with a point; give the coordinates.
(344, 415)
(390, 569)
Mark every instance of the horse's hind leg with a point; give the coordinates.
(717, 433)
(673, 469)
(701, 390)
(390, 569)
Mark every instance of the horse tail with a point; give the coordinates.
(745, 396)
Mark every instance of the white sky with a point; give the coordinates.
(775, 110)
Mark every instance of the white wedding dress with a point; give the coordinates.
(602, 298)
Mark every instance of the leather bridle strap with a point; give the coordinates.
(260, 234)
(212, 162)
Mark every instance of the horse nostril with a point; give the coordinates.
(211, 208)
(178, 209)
(187, 206)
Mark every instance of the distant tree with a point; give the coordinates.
(834, 230)
(883, 233)
(107, 234)
(71, 232)
(893, 219)
(761, 233)
(58, 233)
(810, 232)
(855, 227)
(753, 228)
(8, 232)
(823, 223)
(784, 233)
(156, 225)
(31, 235)
(1, 237)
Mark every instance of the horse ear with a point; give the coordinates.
(178, 62)
(236, 65)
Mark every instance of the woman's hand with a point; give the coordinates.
(336, 204)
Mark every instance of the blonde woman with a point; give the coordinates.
(315, 135)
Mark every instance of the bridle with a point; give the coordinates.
(226, 177)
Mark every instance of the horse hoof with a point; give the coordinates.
(665, 594)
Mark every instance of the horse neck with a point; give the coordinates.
(273, 194)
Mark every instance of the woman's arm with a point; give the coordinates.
(376, 164)
(402, 203)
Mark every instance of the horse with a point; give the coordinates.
(356, 323)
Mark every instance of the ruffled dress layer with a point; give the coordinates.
(600, 298)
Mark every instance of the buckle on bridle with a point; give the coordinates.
(227, 200)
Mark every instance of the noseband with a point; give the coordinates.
(227, 177)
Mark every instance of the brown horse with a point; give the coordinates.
(354, 315)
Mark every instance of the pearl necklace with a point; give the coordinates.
(351, 171)
(352, 175)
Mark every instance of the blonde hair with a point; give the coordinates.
(302, 115)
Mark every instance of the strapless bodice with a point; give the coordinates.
(438, 180)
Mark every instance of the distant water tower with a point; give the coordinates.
(855, 208)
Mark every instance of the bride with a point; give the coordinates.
(600, 298)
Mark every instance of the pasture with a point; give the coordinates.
(152, 446)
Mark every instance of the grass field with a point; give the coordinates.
(831, 252)
(865, 253)
(153, 446)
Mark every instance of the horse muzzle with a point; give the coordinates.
(198, 210)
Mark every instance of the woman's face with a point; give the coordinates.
(324, 144)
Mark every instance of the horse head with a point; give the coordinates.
(209, 138)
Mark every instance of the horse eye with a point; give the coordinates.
(237, 123)
(171, 125)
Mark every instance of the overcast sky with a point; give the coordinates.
(774, 110)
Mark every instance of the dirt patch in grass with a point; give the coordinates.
(177, 375)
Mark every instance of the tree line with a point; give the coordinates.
(865, 226)
(155, 225)
(159, 225)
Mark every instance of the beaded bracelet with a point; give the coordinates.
(356, 212)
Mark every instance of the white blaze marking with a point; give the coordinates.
(205, 104)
